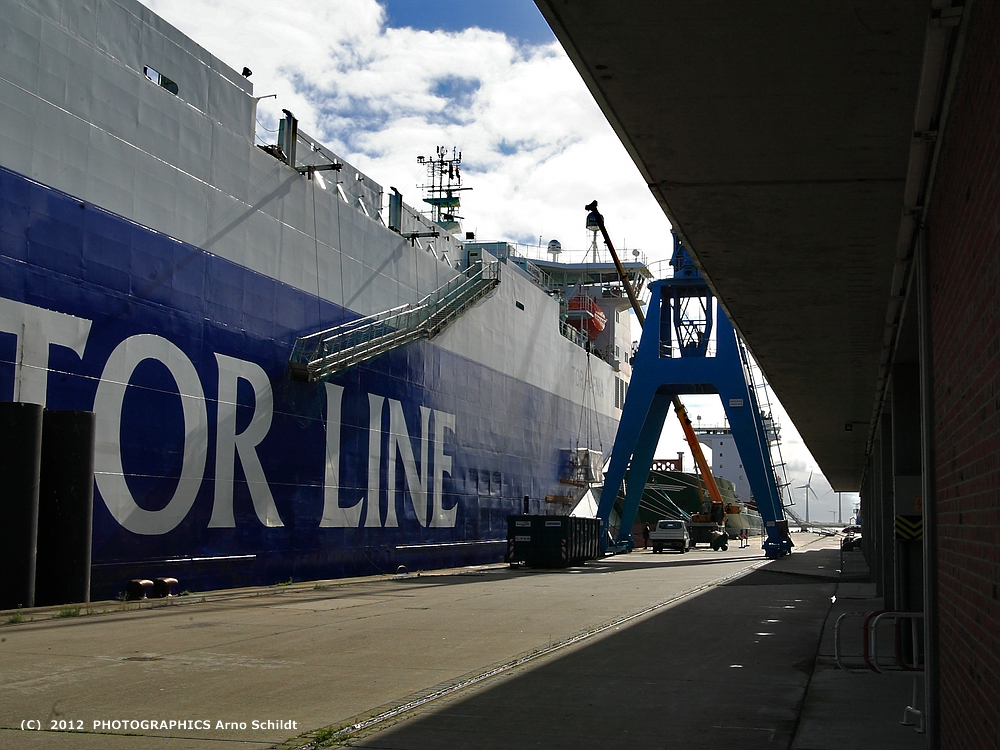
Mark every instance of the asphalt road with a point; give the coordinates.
(584, 657)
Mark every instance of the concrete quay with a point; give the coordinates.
(643, 649)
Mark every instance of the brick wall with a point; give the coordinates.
(964, 253)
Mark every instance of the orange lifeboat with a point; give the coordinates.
(586, 315)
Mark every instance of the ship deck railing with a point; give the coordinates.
(573, 334)
(326, 353)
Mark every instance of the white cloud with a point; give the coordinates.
(536, 147)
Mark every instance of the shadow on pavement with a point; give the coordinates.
(728, 667)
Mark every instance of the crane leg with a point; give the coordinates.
(642, 460)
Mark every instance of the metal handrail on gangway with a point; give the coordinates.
(323, 354)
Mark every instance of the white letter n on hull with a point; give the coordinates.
(399, 441)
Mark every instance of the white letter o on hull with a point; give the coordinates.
(108, 402)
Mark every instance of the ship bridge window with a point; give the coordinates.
(160, 80)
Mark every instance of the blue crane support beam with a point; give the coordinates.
(671, 361)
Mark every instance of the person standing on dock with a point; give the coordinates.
(645, 535)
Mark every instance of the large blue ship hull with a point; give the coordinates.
(415, 458)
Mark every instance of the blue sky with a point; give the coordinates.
(518, 19)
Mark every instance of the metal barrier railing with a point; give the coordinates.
(871, 659)
(573, 334)
(325, 353)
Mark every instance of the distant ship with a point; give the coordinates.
(672, 493)
(294, 375)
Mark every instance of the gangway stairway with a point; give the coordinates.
(324, 354)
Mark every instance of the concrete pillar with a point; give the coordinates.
(883, 480)
(873, 532)
(932, 670)
(907, 489)
(865, 515)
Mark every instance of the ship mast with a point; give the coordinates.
(444, 183)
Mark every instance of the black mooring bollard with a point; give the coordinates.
(65, 508)
(20, 456)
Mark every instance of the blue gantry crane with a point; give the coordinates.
(675, 358)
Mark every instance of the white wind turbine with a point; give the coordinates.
(808, 488)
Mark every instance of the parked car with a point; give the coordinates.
(672, 534)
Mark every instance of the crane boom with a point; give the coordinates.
(699, 455)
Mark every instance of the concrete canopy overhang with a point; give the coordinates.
(779, 138)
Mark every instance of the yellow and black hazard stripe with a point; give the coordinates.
(909, 527)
